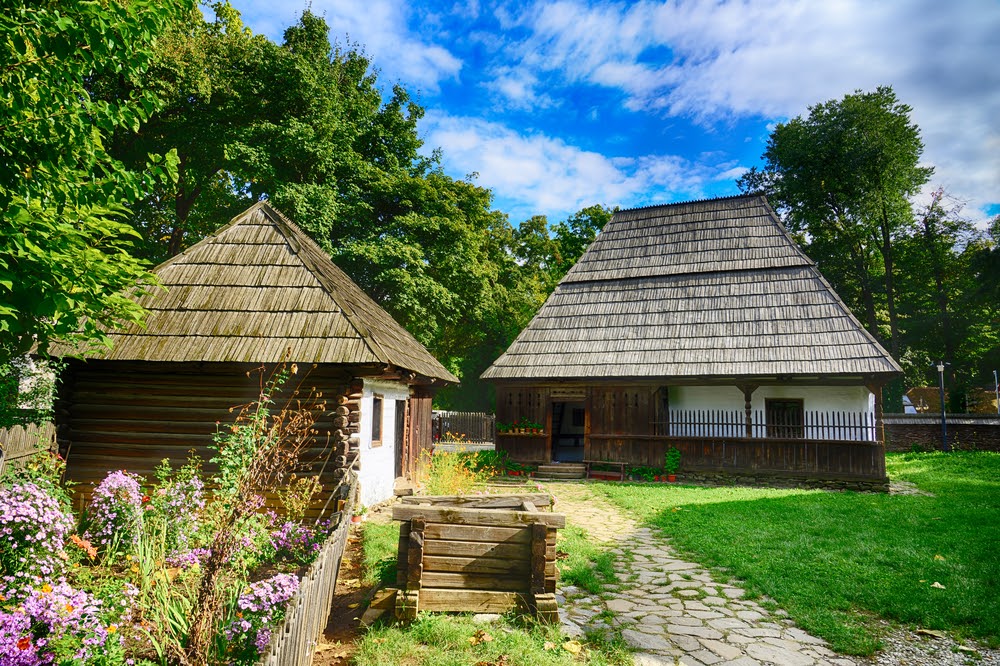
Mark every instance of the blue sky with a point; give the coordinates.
(560, 105)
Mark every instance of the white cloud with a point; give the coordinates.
(709, 61)
(381, 27)
(537, 174)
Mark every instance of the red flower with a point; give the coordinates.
(145, 498)
(24, 643)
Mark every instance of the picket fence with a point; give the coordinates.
(294, 642)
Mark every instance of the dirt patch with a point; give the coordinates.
(351, 598)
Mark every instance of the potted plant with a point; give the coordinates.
(671, 463)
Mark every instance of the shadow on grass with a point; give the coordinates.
(833, 560)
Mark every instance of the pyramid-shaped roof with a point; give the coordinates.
(697, 290)
(255, 289)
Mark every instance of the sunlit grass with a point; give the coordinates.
(835, 560)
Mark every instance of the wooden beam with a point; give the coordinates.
(497, 518)
(481, 501)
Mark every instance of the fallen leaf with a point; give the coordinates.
(479, 637)
(549, 645)
(940, 558)
(966, 649)
(934, 633)
(573, 647)
(353, 605)
(938, 586)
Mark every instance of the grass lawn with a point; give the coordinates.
(836, 560)
(455, 640)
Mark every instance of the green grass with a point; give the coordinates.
(834, 561)
(379, 544)
(586, 565)
(443, 640)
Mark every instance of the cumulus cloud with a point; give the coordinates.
(761, 58)
(537, 174)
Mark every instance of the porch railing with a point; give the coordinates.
(294, 642)
(821, 425)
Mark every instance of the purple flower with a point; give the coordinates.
(260, 609)
(33, 530)
(116, 510)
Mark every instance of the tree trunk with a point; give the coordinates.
(890, 288)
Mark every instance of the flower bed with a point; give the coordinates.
(160, 571)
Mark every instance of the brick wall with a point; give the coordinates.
(965, 431)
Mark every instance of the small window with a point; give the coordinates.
(784, 418)
(376, 420)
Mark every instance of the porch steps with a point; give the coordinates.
(561, 471)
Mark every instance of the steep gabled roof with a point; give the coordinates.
(713, 288)
(256, 288)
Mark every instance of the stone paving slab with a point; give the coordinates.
(670, 610)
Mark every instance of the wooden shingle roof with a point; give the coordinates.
(256, 288)
(704, 289)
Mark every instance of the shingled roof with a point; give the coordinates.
(256, 288)
(705, 289)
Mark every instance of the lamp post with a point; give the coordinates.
(944, 419)
(996, 390)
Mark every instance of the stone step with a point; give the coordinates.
(563, 467)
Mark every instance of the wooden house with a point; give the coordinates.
(700, 326)
(258, 293)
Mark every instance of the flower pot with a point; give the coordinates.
(671, 478)
(357, 519)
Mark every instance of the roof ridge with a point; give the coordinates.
(730, 197)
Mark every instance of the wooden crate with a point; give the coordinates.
(484, 554)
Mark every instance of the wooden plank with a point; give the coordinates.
(479, 565)
(415, 554)
(473, 601)
(481, 501)
(474, 581)
(517, 551)
(538, 547)
(499, 518)
(477, 533)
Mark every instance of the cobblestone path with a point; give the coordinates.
(672, 611)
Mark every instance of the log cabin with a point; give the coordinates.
(700, 326)
(257, 295)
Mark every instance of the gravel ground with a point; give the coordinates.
(906, 648)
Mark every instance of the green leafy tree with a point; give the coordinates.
(65, 245)
(843, 177)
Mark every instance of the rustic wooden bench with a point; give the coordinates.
(620, 465)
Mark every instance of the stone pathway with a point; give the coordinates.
(671, 611)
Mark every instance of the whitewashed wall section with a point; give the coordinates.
(378, 463)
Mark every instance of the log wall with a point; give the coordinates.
(122, 415)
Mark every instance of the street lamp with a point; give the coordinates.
(944, 419)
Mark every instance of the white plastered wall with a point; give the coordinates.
(378, 463)
(827, 399)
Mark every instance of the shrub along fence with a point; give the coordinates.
(294, 643)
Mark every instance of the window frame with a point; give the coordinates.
(378, 419)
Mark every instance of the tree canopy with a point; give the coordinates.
(65, 259)
(844, 178)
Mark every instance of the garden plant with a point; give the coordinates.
(161, 571)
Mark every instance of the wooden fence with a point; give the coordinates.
(839, 426)
(19, 443)
(469, 427)
(294, 643)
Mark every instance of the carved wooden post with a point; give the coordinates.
(748, 390)
(408, 600)
(876, 390)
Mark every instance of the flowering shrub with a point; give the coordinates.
(116, 511)
(179, 499)
(295, 542)
(259, 610)
(188, 558)
(33, 529)
(57, 624)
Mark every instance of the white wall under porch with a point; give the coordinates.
(828, 404)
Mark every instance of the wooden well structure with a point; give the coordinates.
(485, 554)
